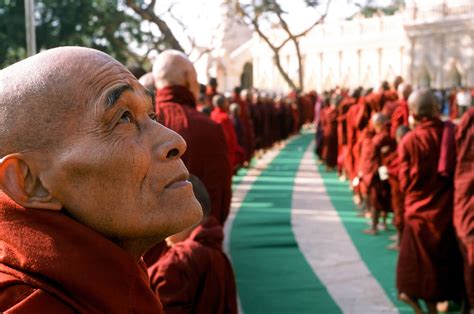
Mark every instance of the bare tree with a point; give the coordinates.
(147, 13)
(258, 11)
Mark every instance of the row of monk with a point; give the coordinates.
(97, 212)
(401, 157)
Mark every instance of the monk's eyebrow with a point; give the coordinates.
(114, 95)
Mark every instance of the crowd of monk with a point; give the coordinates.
(98, 215)
(400, 157)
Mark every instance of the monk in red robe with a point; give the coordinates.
(397, 197)
(248, 135)
(207, 155)
(195, 275)
(220, 115)
(329, 128)
(374, 171)
(464, 200)
(430, 264)
(400, 114)
(89, 181)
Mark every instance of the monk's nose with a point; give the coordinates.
(172, 145)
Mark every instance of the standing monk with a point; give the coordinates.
(429, 265)
(89, 181)
(195, 275)
(220, 115)
(464, 200)
(177, 89)
(400, 114)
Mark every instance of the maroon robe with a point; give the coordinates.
(399, 117)
(195, 276)
(329, 128)
(397, 197)
(375, 154)
(429, 265)
(464, 197)
(248, 136)
(235, 151)
(206, 156)
(50, 263)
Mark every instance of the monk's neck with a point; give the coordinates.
(137, 247)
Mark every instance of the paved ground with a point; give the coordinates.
(296, 242)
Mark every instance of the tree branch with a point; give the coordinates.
(149, 15)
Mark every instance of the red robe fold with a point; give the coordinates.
(429, 265)
(195, 276)
(464, 197)
(206, 156)
(49, 263)
(329, 128)
(397, 197)
(234, 150)
(399, 117)
(375, 154)
(248, 136)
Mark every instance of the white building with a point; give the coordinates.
(430, 42)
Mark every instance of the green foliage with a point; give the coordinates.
(100, 24)
(370, 8)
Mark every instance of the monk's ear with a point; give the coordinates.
(23, 186)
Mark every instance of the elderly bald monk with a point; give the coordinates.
(195, 275)
(464, 198)
(177, 89)
(429, 265)
(89, 181)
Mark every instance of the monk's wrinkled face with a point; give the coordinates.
(121, 172)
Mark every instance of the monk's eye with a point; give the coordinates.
(126, 118)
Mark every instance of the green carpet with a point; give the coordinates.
(380, 261)
(272, 274)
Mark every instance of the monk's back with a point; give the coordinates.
(422, 184)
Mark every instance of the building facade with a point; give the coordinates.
(429, 43)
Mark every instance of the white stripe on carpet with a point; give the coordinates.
(328, 248)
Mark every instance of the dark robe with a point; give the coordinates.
(248, 135)
(464, 197)
(429, 265)
(329, 128)
(397, 197)
(235, 152)
(195, 276)
(50, 263)
(399, 117)
(375, 155)
(206, 156)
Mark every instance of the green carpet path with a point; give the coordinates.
(272, 274)
(380, 261)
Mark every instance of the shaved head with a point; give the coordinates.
(78, 134)
(379, 120)
(404, 91)
(39, 91)
(423, 104)
(148, 81)
(173, 67)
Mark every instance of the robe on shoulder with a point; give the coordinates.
(195, 276)
(399, 117)
(52, 264)
(464, 197)
(206, 156)
(234, 150)
(429, 264)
